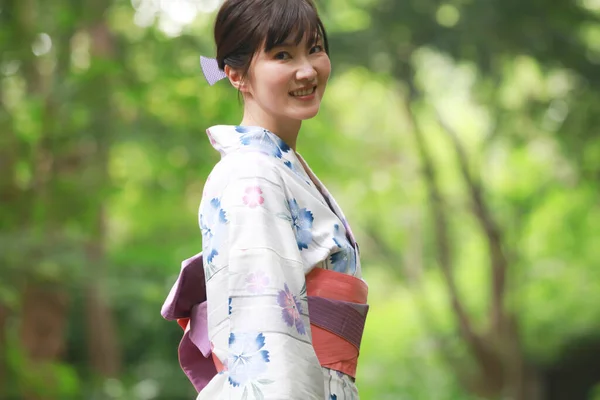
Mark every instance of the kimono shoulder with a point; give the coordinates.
(247, 166)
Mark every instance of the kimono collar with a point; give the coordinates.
(230, 138)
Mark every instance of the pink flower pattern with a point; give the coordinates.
(291, 309)
(257, 282)
(253, 196)
(263, 285)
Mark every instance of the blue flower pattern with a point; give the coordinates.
(211, 239)
(249, 354)
(247, 359)
(343, 260)
(265, 141)
(302, 221)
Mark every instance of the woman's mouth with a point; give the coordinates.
(303, 92)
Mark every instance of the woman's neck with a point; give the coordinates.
(286, 130)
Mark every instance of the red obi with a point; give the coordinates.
(336, 305)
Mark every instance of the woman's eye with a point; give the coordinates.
(316, 49)
(282, 55)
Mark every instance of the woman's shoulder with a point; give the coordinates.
(249, 164)
(242, 166)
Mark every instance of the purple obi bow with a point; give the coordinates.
(187, 299)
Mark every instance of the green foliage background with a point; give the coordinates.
(103, 158)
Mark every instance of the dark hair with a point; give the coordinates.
(242, 26)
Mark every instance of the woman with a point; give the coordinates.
(284, 303)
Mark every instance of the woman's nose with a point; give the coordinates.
(306, 71)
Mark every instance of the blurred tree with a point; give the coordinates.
(51, 217)
(97, 90)
(489, 109)
(486, 35)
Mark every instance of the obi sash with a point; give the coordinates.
(336, 305)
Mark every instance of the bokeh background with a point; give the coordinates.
(461, 137)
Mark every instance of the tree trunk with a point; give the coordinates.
(501, 369)
(43, 330)
(102, 343)
(44, 304)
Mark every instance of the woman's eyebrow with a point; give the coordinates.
(287, 43)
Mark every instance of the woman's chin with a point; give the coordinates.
(307, 114)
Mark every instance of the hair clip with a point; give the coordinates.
(211, 70)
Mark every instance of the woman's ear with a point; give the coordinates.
(236, 78)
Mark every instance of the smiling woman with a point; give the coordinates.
(277, 296)
(275, 53)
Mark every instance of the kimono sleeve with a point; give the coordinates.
(270, 349)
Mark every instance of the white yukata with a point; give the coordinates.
(266, 222)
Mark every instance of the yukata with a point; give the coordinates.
(266, 222)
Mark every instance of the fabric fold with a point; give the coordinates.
(330, 319)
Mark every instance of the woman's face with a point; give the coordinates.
(288, 82)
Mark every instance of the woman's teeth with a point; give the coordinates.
(304, 92)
